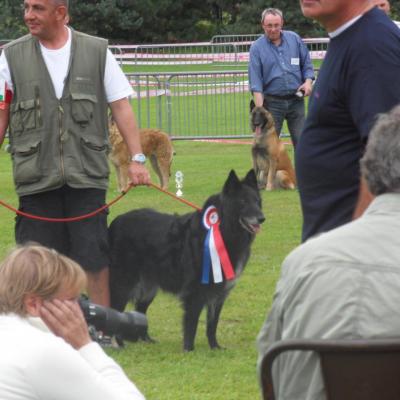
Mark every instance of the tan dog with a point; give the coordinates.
(270, 159)
(156, 146)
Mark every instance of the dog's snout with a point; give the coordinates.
(258, 122)
(261, 219)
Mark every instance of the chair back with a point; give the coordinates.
(351, 369)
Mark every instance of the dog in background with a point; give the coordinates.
(271, 161)
(156, 146)
(152, 250)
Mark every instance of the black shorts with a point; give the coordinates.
(84, 241)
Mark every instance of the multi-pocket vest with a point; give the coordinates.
(53, 141)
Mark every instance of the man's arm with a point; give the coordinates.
(306, 87)
(125, 119)
(258, 99)
(307, 69)
(255, 76)
(4, 116)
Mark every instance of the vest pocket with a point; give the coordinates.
(15, 119)
(82, 107)
(94, 158)
(26, 163)
(28, 114)
(23, 116)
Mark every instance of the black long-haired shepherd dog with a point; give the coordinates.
(183, 256)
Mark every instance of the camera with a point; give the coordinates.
(131, 325)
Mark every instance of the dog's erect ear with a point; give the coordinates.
(265, 103)
(252, 105)
(231, 183)
(251, 179)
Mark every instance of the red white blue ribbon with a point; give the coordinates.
(215, 255)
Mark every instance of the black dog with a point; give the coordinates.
(151, 250)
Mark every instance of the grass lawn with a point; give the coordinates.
(162, 371)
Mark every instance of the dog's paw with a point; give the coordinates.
(146, 338)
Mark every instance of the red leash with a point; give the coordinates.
(176, 197)
(93, 213)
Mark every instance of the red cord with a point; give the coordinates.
(175, 197)
(93, 213)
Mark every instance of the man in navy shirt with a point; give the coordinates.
(359, 78)
(280, 67)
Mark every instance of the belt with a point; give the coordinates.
(285, 97)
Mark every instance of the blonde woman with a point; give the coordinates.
(45, 348)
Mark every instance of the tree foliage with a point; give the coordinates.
(168, 21)
(11, 24)
(106, 18)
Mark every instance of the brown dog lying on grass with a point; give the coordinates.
(271, 161)
(156, 146)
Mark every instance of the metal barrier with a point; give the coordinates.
(251, 37)
(190, 105)
(312, 43)
(223, 53)
(193, 105)
(184, 53)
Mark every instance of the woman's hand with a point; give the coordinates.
(65, 319)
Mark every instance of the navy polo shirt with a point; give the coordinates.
(359, 78)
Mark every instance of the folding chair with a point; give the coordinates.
(351, 369)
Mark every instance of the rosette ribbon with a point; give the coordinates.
(215, 254)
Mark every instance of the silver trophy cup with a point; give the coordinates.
(179, 183)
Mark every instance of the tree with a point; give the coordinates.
(116, 20)
(11, 21)
(246, 16)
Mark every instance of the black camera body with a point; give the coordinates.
(131, 325)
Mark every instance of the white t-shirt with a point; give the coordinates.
(37, 365)
(115, 82)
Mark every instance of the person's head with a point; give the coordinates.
(334, 13)
(384, 5)
(272, 23)
(45, 18)
(31, 274)
(380, 165)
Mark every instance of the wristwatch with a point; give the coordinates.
(139, 158)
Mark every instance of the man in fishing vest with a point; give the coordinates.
(56, 86)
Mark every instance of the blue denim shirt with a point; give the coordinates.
(279, 70)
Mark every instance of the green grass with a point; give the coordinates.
(162, 371)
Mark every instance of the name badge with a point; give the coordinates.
(295, 61)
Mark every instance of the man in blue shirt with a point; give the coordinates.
(280, 70)
(359, 78)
